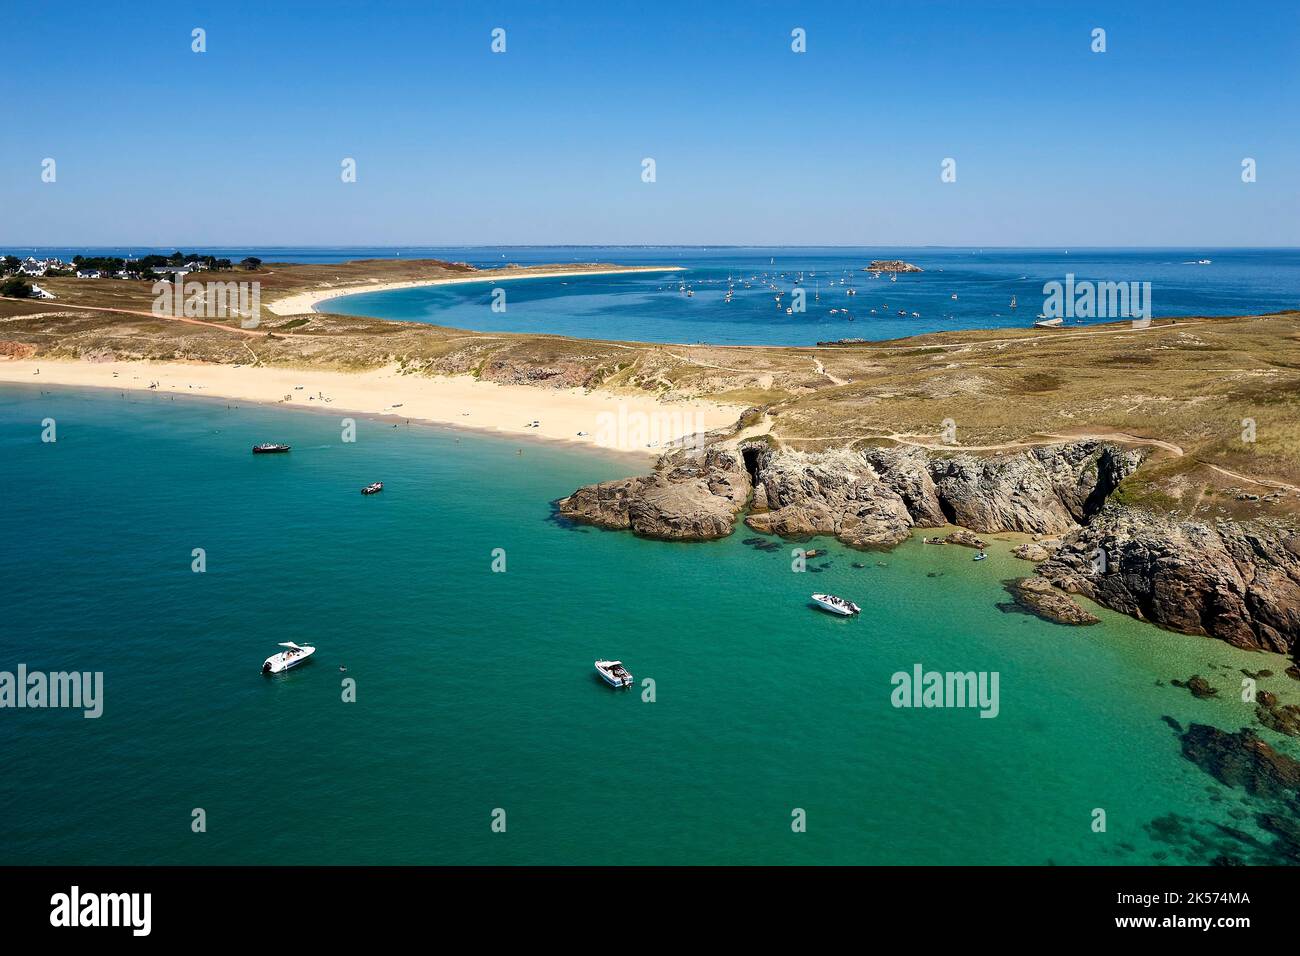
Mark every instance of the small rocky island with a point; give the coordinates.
(891, 265)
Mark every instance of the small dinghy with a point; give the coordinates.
(836, 605)
(295, 655)
(373, 489)
(266, 448)
(614, 673)
(981, 556)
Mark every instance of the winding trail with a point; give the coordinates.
(821, 370)
(174, 318)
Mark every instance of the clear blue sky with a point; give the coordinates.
(754, 144)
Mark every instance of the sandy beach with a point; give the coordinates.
(307, 301)
(623, 423)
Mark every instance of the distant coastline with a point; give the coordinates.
(301, 302)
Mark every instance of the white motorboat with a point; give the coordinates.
(295, 655)
(1049, 323)
(836, 605)
(614, 673)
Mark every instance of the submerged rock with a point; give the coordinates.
(1198, 685)
(1283, 718)
(1241, 760)
(1039, 597)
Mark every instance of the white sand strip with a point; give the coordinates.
(625, 423)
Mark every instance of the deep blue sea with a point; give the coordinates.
(653, 307)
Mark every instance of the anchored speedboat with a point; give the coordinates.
(267, 448)
(836, 605)
(292, 657)
(373, 488)
(614, 673)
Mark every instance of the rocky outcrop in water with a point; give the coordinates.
(966, 539)
(1036, 551)
(1038, 597)
(1237, 582)
(891, 265)
(867, 500)
(692, 499)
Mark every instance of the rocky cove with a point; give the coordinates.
(1237, 581)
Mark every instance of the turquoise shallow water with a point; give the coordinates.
(475, 690)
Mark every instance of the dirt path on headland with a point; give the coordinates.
(173, 318)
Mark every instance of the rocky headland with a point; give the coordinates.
(1238, 581)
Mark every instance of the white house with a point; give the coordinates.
(39, 293)
(89, 274)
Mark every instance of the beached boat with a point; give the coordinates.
(374, 488)
(836, 605)
(266, 448)
(614, 673)
(1049, 323)
(295, 655)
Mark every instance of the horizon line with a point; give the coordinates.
(616, 245)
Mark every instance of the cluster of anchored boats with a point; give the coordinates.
(612, 673)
